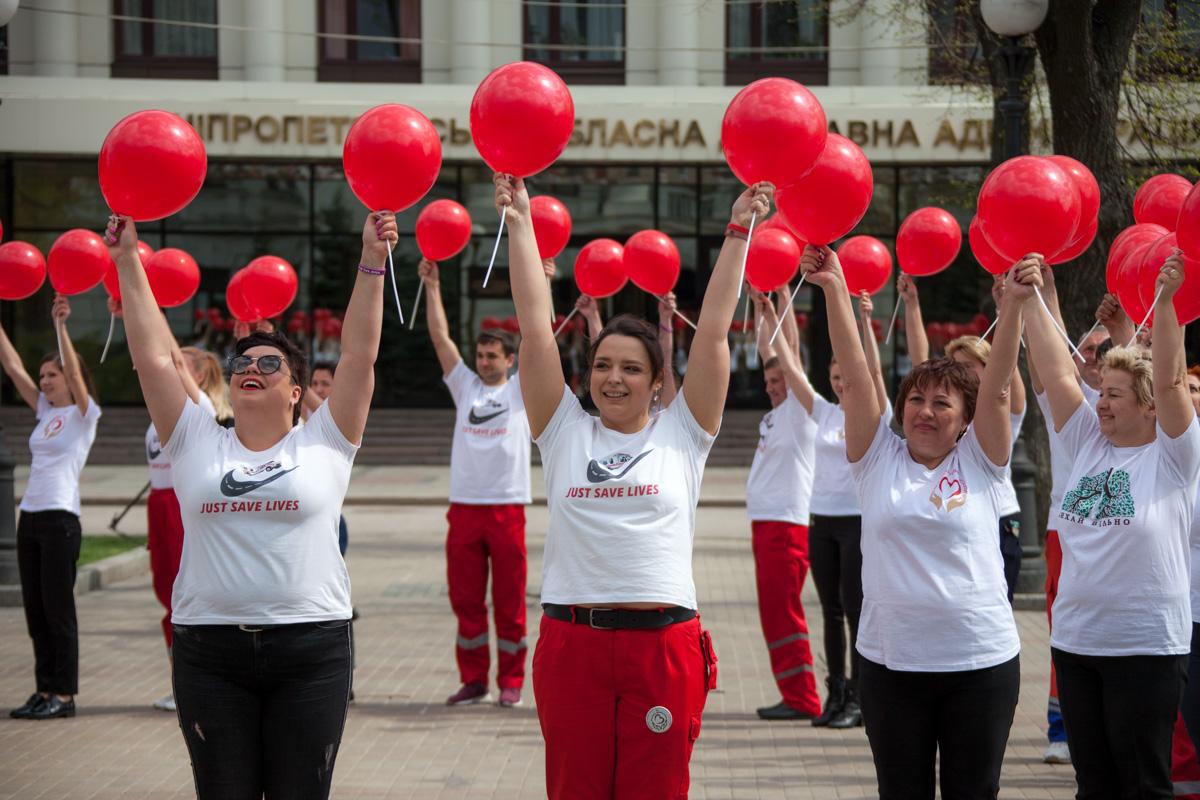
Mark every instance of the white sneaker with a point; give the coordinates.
(165, 703)
(1057, 753)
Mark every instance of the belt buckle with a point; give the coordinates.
(249, 629)
(592, 619)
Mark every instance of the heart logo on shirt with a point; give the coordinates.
(53, 427)
(949, 494)
(948, 487)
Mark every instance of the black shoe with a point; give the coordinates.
(782, 711)
(834, 701)
(851, 714)
(34, 702)
(54, 707)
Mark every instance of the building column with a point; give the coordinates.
(263, 50)
(882, 60)
(678, 27)
(470, 21)
(56, 40)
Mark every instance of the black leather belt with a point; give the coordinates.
(619, 618)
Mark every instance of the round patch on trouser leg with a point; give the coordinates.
(658, 719)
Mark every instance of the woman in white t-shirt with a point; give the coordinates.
(48, 531)
(1122, 614)
(261, 606)
(938, 668)
(622, 667)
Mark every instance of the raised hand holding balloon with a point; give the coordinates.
(443, 230)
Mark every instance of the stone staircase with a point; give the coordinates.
(408, 436)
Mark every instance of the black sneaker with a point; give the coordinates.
(782, 711)
(34, 702)
(54, 707)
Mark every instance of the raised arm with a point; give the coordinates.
(1016, 394)
(666, 343)
(789, 361)
(146, 330)
(871, 348)
(10, 361)
(707, 378)
(185, 375)
(542, 378)
(859, 398)
(589, 309)
(1047, 353)
(435, 317)
(914, 324)
(70, 359)
(350, 400)
(993, 406)
(1172, 405)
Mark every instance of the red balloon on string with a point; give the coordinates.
(522, 115)
(235, 299)
(1152, 184)
(391, 157)
(988, 258)
(1085, 182)
(1188, 229)
(772, 260)
(829, 201)
(112, 282)
(152, 164)
(77, 261)
(652, 261)
(1083, 240)
(928, 241)
(600, 268)
(866, 264)
(1128, 284)
(1187, 298)
(22, 270)
(1162, 204)
(1028, 204)
(270, 286)
(174, 277)
(1153, 257)
(443, 230)
(551, 225)
(773, 130)
(1128, 240)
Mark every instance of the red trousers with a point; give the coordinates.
(780, 567)
(620, 710)
(1053, 570)
(164, 540)
(479, 533)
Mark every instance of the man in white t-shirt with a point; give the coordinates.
(489, 488)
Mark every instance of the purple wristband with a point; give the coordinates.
(370, 270)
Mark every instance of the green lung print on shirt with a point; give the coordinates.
(1100, 496)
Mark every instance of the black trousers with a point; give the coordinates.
(1120, 715)
(1010, 550)
(262, 710)
(1191, 695)
(835, 559)
(911, 717)
(47, 548)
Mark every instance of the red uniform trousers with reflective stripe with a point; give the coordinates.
(164, 540)
(780, 567)
(601, 696)
(477, 534)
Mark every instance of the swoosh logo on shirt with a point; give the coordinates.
(475, 419)
(232, 487)
(598, 474)
(153, 454)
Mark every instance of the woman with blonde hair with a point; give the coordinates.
(206, 369)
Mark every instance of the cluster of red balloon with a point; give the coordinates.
(262, 289)
(941, 332)
(508, 324)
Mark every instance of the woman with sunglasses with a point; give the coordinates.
(262, 646)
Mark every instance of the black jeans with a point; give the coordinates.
(1010, 550)
(835, 559)
(912, 716)
(262, 710)
(1120, 715)
(1191, 695)
(47, 548)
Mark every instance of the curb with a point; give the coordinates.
(1029, 601)
(107, 571)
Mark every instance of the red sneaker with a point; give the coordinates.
(469, 694)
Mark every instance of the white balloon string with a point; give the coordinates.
(791, 300)
(746, 315)
(550, 292)
(1059, 328)
(990, 328)
(563, 324)
(676, 311)
(1091, 330)
(892, 324)
(58, 335)
(746, 253)
(495, 248)
(112, 325)
(1146, 318)
(395, 290)
(412, 321)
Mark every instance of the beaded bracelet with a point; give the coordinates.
(370, 270)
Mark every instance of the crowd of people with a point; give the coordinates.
(903, 508)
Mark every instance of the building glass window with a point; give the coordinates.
(163, 41)
(581, 40)
(343, 58)
(955, 54)
(777, 37)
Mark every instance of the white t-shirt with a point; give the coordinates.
(489, 460)
(781, 476)
(160, 465)
(1124, 523)
(1008, 493)
(622, 506)
(59, 444)
(833, 492)
(1060, 465)
(934, 595)
(1195, 554)
(261, 528)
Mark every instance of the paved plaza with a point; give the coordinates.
(400, 741)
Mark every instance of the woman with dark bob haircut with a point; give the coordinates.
(937, 642)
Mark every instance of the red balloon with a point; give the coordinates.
(443, 230)
(1128, 240)
(270, 286)
(652, 261)
(489, 323)
(773, 130)
(866, 263)
(1153, 257)
(988, 258)
(928, 241)
(1083, 240)
(1162, 204)
(174, 277)
(1151, 185)
(77, 261)
(772, 260)
(112, 282)
(600, 268)
(551, 225)
(22, 270)
(152, 164)
(1128, 280)
(522, 115)
(1085, 182)
(1028, 204)
(511, 325)
(1187, 298)
(391, 157)
(1189, 224)
(829, 201)
(235, 298)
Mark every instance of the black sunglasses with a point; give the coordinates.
(266, 364)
